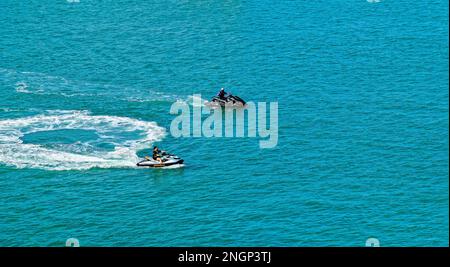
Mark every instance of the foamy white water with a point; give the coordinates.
(14, 152)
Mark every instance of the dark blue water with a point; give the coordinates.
(362, 90)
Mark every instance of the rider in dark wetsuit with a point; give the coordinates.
(157, 154)
(222, 94)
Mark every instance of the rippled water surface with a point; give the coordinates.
(362, 89)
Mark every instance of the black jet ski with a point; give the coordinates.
(229, 100)
(167, 160)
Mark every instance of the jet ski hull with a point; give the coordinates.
(231, 100)
(151, 163)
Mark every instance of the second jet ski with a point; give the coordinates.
(226, 99)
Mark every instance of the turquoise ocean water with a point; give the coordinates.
(363, 145)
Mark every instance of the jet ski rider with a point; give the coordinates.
(157, 154)
(222, 94)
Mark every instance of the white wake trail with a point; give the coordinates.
(14, 152)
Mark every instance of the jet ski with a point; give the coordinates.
(167, 160)
(230, 99)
